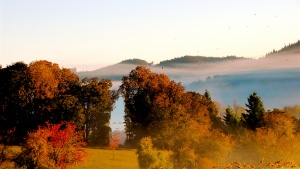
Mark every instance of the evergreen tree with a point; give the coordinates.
(207, 95)
(255, 111)
(231, 119)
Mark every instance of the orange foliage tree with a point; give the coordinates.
(181, 121)
(52, 146)
(32, 94)
(114, 140)
(113, 143)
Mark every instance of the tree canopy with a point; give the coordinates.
(40, 92)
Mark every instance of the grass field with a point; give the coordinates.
(99, 159)
(103, 159)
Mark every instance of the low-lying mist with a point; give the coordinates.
(276, 80)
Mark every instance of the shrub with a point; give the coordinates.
(149, 158)
(52, 146)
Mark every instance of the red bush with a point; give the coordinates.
(52, 146)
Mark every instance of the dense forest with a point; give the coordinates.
(42, 102)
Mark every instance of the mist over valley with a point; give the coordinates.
(275, 77)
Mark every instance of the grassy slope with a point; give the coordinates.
(100, 158)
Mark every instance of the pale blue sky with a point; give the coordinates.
(89, 34)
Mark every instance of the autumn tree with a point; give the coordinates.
(177, 120)
(31, 95)
(253, 118)
(149, 99)
(283, 123)
(45, 77)
(65, 105)
(114, 142)
(293, 109)
(52, 146)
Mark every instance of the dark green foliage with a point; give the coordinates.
(97, 102)
(255, 112)
(232, 120)
(15, 100)
(207, 95)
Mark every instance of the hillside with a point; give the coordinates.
(293, 48)
(136, 62)
(287, 57)
(197, 60)
(116, 71)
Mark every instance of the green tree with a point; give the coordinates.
(207, 95)
(97, 101)
(16, 101)
(254, 116)
(149, 158)
(231, 119)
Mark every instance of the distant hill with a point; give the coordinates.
(116, 71)
(136, 62)
(197, 60)
(287, 57)
(293, 48)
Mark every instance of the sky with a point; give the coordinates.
(90, 34)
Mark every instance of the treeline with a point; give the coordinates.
(159, 111)
(294, 47)
(197, 60)
(31, 95)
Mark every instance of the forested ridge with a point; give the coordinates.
(290, 48)
(44, 106)
(197, 60)
(285, 58)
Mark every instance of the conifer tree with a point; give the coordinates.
(255, 111)
(230, 117)
(207, 95)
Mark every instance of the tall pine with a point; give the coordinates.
(253, 118)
